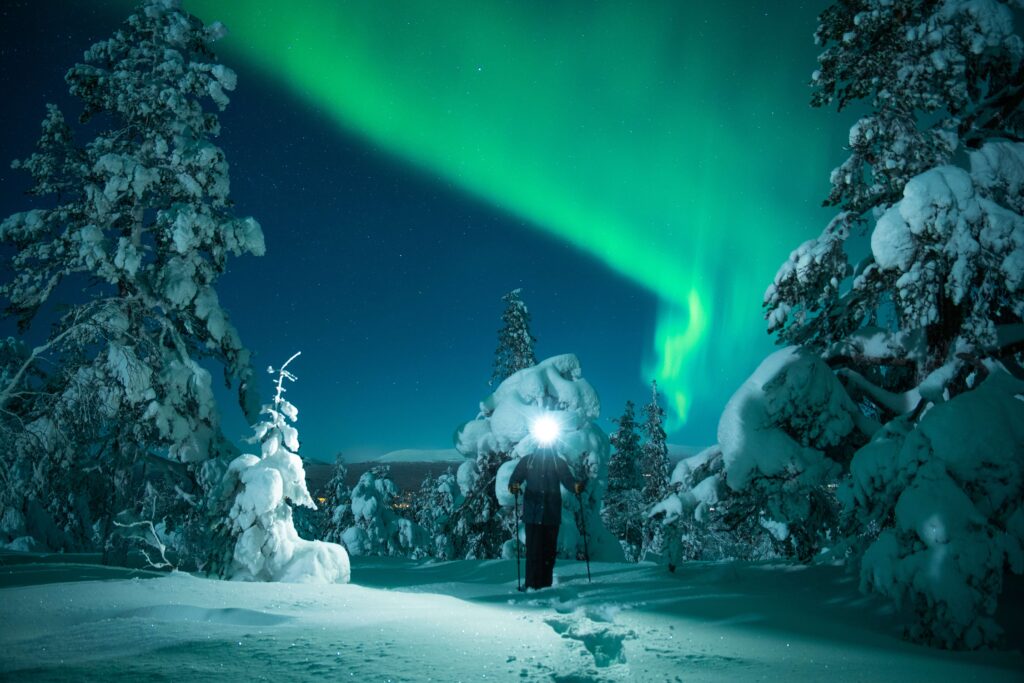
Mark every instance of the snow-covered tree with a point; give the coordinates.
(437, 500)
(946, 492)
(623, 507)
(132, 231)
(654, 463)
(480, 526)
(785, 439)
(376, 529)
(337, 515)
(262, 542)
(654, 468)
(929, 321)
(703, 519)
(515, 343)
(554, 387)
(941, 283)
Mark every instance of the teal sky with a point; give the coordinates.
(671, 141)
(639, 169)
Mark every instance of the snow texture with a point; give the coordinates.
(267, 547)
(953, 484)
(452, 621)
(791, 393)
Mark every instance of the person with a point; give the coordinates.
(543, 472)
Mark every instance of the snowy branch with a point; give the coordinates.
(896, 403)
(154, 543)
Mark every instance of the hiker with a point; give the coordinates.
(542, 471)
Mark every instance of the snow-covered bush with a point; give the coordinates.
(134, 229)
(263, 488)
(947, 492)
(554, 387)
(785, 438)
(433, 507)
(337, 514)
(376, 529)
(703, 519)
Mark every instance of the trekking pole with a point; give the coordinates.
(583, 528)
(519, 581)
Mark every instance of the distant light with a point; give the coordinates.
(545, 429)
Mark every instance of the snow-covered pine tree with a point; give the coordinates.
(928, 322)
(133, 230)
(261, 541)
(623, 508)
(654, 462)
(377, 529)
(337, 515)
(479, 528)
(654, 468)
(434, 505)
(515, 343)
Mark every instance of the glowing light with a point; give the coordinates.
(545, 429)
(670, 140)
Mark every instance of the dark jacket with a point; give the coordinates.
(542, 471)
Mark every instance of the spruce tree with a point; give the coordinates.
(132, 231)
(912, 296)
(257, 537)
(622, 509)
(479, 528)
(515, 343)
(655, 466)
(433, 507)
(337, 515)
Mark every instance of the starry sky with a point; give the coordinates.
(639, 169)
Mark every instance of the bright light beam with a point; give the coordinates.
(545, 429)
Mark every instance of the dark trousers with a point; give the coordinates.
(541, 546)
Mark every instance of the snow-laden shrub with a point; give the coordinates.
(553, 387)
(376, 528)
(785, 438)
(433, 507)
(947, 493)
(704, 520)
(337, 514)
(266, 546)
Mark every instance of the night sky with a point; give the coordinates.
(639, 169)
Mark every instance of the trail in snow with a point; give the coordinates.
(462, 621)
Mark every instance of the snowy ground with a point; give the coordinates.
(462, 621)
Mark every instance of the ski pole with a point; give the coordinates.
(583, 528)
(519, 584)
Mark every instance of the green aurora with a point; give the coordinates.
(671, 140)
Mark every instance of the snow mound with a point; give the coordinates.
(952, 484)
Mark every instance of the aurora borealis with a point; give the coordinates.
(646, 134)
(671, 142)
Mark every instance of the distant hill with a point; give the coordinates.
(421, 455)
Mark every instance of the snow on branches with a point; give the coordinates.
(262, 489)
(928, 327)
